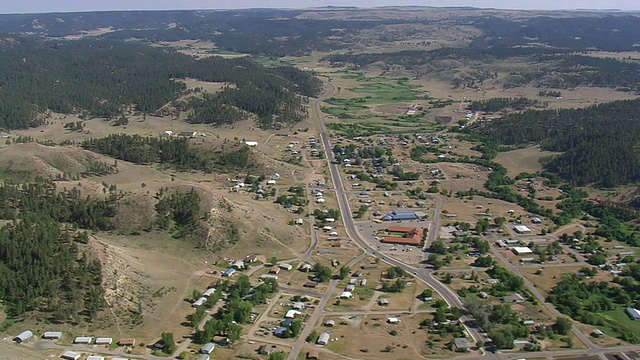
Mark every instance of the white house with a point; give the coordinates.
(52, 335)
(521, 229)
(291, 314)
(346, 295)
(199, 302)
(285, 266)
(209, 292)
(271, 182)
(23, 336)
(521, 250)
(207, 348)
(103, 341)
(393, 320)
(268, 276)
(323, 339)
(83, 340)
(70, 355)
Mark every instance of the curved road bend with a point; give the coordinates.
(423, 274)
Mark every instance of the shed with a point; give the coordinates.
(251, 143)
(461, 344)
(323, 339)
(271, 182)
(383, 301)
(285, 266)
(23, 336)
(268, 349)
(514, 298)
(52, 335)
(209, 292)
(95, 357)
(207, 348)
(350, 287)
(83, 340)
(70, 355)
(187, 134)
(103, 341)
(310, 284)
(393, 320)
(330, 323)
(312, 355)
(363, 282)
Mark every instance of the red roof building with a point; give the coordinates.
(411, 236)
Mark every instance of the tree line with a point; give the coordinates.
(174, 152)
(104, 78)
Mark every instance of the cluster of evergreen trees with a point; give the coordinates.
(599, 143)
(599, 72)
(174, 152)
(104, 78)
(41, 267)
(178, 208)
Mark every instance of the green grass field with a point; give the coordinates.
(618, 322)
(371, 128)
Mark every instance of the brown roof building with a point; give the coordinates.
(127, 342)
(411, 236)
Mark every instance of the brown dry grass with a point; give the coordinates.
(522, 160)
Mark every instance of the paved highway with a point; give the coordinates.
(352, 231)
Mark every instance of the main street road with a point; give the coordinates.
(352, 231)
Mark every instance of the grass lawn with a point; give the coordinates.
(389, 91)
(619, 319)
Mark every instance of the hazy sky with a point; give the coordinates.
(20, 6)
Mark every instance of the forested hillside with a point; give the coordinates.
(41, 267)
(104, 78)
(175, 153)
(599, 143)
